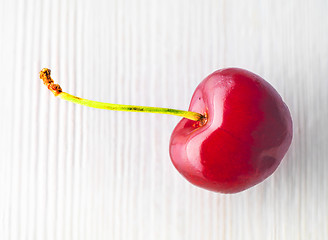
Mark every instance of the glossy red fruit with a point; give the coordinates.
(247, 133)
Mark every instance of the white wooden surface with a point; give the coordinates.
(69, 172)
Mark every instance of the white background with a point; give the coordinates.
(70, 172)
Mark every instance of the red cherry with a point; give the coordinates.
(235, 134)
(247, 132)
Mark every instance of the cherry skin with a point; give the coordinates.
(247, 132)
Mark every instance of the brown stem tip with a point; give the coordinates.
(47, 80)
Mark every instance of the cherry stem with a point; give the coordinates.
(57, 91)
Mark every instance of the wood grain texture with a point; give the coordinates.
(69, 172)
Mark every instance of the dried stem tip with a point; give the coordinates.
(47, 80)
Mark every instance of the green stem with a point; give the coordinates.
(57, 91)
(129, 108)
